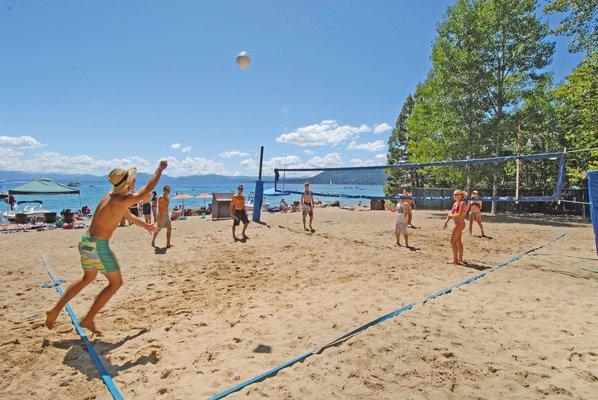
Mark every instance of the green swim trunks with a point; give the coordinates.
(96, 253)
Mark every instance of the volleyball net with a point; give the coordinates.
(524, 178)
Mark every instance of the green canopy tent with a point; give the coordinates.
(43, 186)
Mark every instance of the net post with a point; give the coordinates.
(517, 164)
(593, 192)
(259, 191)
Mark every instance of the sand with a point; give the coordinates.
(209, 313)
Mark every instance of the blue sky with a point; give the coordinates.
(87, 86)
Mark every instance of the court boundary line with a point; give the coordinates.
(432, 296)
(116, 395)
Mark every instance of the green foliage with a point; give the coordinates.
(581, 22)
(577, 105)
(397, 151)
(487, 57)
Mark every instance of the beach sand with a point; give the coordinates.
(209, 313)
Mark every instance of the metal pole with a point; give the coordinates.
(261, 162)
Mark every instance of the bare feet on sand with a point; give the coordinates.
(168, 246)
(90, 325)
(50, 319)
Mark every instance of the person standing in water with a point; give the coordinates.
(307, 207)
(475, 212)
(457, 213)
(94, 248)
(163, 218)
(238, 212)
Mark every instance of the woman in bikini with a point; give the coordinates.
(458, 215)
(475, 211)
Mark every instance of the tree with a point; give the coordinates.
(577, 106)
(487, 55)
(397, 150)
(581, 23)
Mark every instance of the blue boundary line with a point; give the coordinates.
(90, 349)
(392, 314)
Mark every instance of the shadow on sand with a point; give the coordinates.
(78, 358)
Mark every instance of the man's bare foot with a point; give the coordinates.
(245, 236)
(153, 244)
(168, 246)
(50, 319)
(90, 325)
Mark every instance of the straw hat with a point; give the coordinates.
(119, 178)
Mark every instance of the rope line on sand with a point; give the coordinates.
(392, 314)
(90, 349)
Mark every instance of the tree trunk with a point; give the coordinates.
(494, 191)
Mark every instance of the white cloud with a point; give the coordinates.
(233, 153)
(382, 128)
(327, 132)
(381, 156)
(369, 146)
(356, 162)
(186, 149)
(309, 152)
(53, 162)
(195, 166)
(175, 146)
(329, 160)
(20, 142)
(249, 164)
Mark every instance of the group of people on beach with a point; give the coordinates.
(458, 213)
(119, 204)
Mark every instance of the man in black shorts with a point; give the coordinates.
(237, 211)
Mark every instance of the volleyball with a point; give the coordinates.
(243, 59)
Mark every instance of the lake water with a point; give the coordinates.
(92, 191)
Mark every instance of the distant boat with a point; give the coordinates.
(34, 210)
(93, 185)
(74, 183)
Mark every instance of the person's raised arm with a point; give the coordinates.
(147, 189)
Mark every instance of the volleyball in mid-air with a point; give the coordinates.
(243, 59)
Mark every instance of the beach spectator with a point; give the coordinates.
(238, 212)
(94, 245)
(154, 201)
(11, 201)
(147, 211)
(307, 206)
(163, 218)
(283, 206)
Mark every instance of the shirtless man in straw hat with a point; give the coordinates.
(94, 247)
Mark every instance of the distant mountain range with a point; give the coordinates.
(142, 177)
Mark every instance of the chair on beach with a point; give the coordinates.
(49, 218)
(22, 220)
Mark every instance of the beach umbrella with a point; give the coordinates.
(204, 196)
(183, 196)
